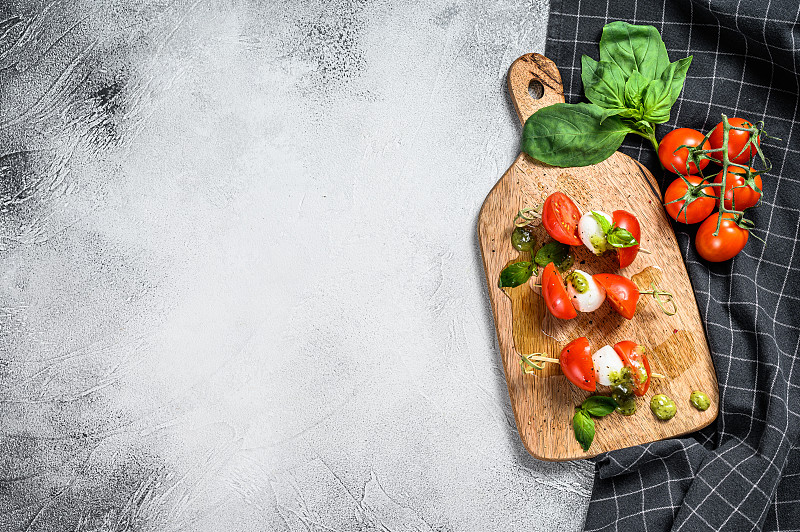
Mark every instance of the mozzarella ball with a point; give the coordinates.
(592, 235)
(588, 295)
(606, 362)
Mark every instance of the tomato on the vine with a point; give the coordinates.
(576, 364)
(555, 294)
(741, 191)
(560, 218)
(686, 202)
(729, 241)
(621, 292)
(674, 159)
(737, 140)
(627, 221)
(633, 356)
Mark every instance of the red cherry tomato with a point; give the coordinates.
(736, 141)
(738, 192)
(699, 203)
(576, 364)
(621, 292)
(730, 240)
(674, 159)
(626, 220)
(555, 295)
(634, 357)
(560, 218)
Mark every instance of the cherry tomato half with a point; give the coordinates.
(626, 220)
(738, 192)
(674, 159)
(560, 218)
(633, 355)
(699, 202)
(730, 240)
(621, 292)
(555, 294)
(576, 364)
(736, 141)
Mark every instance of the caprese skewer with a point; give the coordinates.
(598, 231)
(586, 293)
(625, 365)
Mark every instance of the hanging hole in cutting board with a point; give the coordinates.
(535, 89)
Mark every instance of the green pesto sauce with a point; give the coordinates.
(522, 239)
(699, 400)
(579, 282)
(627, 404)
(663, 407)
(599, 243)
(622, 380)
(567, 263)
(622, 391)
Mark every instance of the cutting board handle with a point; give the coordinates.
(542, 76)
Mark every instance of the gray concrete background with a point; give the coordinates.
(241, 287)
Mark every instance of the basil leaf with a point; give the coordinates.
(605, 225)
(634, 91)
(621, 238)
(622, 112)
(662, 94)
(634, 49)
(572, 135)
(599, 405)
(603, 83)
(554, 252)
(515, 274)
(583, 425)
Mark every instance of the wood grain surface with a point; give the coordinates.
(544, 402)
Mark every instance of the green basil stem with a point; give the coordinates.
(651, 136)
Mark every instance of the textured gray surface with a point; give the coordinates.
(241, 288)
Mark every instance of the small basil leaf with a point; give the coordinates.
(662, 94)
(515, 274)
(583, 425)
(554, 252)
(605, 225)
(634, 90)
(599, 405)
(621, 238)
(603, 83)
(634, 49)
(572, 135)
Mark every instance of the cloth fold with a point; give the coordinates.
(743, 471)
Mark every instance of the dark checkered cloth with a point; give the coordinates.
(742, 472)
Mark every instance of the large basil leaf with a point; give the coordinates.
(603, 83)
(664, 92)
(634, 49)
(572, 135)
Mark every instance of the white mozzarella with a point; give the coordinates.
(606, 361)
(591, 299)
(592, 235)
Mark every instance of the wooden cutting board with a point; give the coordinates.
(544, 402)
